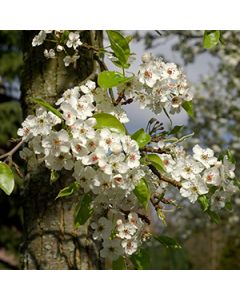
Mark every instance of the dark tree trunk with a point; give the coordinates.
(50, 239)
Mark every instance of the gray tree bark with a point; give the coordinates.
(50, 239)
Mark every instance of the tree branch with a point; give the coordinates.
(164, 178)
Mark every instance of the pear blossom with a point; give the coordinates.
(212, 176)
(102, 228)
(193, 188)
(39, 38)
(111, 249)
(56, 143)
(205, 156)
(129, 246)
(125, 231)
(63, 160)
(73, 40)
(49, 53)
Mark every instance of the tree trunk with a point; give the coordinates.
(50, 239)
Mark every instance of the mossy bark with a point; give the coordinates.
(50, 239)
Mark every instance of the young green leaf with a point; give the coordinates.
(48, 106)
(6, 178)
(119, 264)
(54, 176)
(162, 216)
(68, 190)
(141, 260)
(83, 210)
(167, 241)
(141, 137)
(214, 217)
(64, 36)
(204, 203)
(109, 79)
(120, 47)
(109, 121)
(156, 161)
(228, 205)
(142, 192)
(187, 105)
(211, 38)
(230, 157)
(176, 129)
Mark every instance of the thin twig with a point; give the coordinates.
(11, 152)
(153, 150)
(164, 178)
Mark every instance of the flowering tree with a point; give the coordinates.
(90, 185)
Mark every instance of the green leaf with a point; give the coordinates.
(119, 264)
(68, 190)
(64, 36)
(175, 130)
(228, 205)
(141, 260)
(83, 210)
(48, 106)
(141, 137)
(156, 161)
(54, 176)
(109, 121)
(120, 47)
(167, 241)
(142, 192)
(6, 178)
(214, 217)
(204, 203)
(187, 105)
(162, 216)
(211, 38)
(230, 157)
(109, 79)
(128, 38)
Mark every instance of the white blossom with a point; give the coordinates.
(205, 156)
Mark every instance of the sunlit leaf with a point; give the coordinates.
(187, 105)
(156, 161)
(6, 178)
(120, 47)
(109, 79)
(141, 137)
(109, 121)
(68, 190)
(142, 192)
(211, 38)
(48, 106)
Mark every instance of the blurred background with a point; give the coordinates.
(215, 78)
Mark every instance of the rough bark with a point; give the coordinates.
(50, 239)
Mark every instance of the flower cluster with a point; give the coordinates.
(119, 234)
(100, 158)
(63, 41)
(158, 85)
(200, 174)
